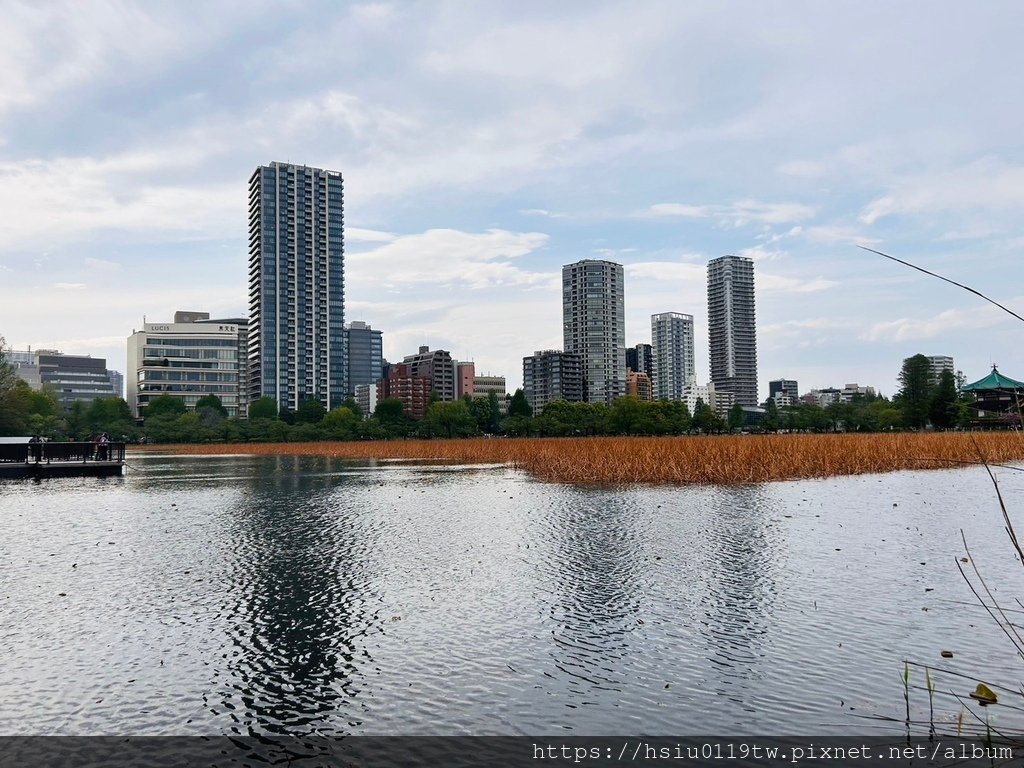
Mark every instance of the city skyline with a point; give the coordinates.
(474, 173)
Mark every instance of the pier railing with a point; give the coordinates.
(28, 453)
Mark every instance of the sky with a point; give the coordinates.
(484, 145)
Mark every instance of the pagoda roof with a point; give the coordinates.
(994, 380)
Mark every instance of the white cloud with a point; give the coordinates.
(780, 284)
(737, 214)
(989, 184)
(442, 257)
(69, 286)
(912, 329)
(354, 234)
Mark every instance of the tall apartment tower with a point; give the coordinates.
(296, 285)
(594, 326)
(731, 328)
(672, 350)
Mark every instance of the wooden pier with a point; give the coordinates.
(38, 460)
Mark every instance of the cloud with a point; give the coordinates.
(102, 265)
(780, 284)
(737, 214)
(69, 286)
(354, 234)
(989, 184)
(668, 271)
(912, 329)
(442, 257)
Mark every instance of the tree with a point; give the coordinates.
(736, 417)
(916, 390)
(520, 406)
(11, 417)
(164, 405)
(448, 420)
(263, 408)
(705, 419)
(311, 411)
(943, 409)
(625, 415)
(211, 401)
(770, 421)
(341, 423)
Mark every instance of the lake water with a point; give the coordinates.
(231, 594)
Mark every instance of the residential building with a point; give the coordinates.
(852, 391)
(550, 375)
(402, 383)
(186, 361)
(732, 332)
(785, 386)
(365, 354)
(297, 285)
(672, 351)
(940, 363)
(719, 402)
(438, 368)
(366, 398)
(640, 358)
(638, 385)
(823, 397)
(465, 376)
(594, 326)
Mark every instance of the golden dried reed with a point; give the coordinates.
(673, 460)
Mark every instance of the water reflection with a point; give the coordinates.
(297, 605)
(737, 587)
(593, 570)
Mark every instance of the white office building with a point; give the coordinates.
(184, 360)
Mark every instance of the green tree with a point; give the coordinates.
(520, 406)
(164, 405)
(916, 389)
(736, 417)
(111, 415)
(770, 420)
(311, 411)
(12, 418)
(263, 408)
(943, 409)
(448, 420)
(341, 423)
(705, 419)
(391, 417)
(213, 402)
(625, 415)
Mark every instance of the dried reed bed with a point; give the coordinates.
(675, 460)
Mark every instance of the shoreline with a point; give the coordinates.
(680, 460)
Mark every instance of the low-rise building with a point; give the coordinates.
(638, 385)
(187, 360)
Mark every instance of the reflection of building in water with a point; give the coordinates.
(595, 569)
(296, 606)
(739, 588)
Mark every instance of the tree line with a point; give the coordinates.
(921, 401)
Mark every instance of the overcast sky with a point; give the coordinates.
(485, 144)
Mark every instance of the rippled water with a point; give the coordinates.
(309, 596)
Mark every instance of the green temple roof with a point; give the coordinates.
(994, 380)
